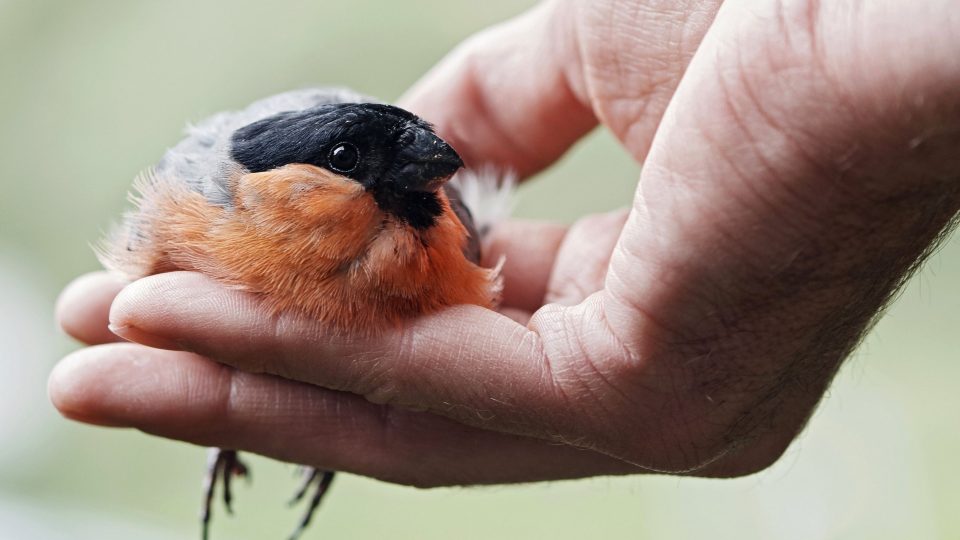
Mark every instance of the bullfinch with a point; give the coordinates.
(320, 202)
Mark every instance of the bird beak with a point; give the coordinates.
(428, 162)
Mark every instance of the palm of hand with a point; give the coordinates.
(694, 335)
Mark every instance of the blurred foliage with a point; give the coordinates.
(93, 91)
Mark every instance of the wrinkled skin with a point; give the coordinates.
(792, 180)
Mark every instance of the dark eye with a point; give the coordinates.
(344, 157)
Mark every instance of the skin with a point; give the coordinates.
(793, 179)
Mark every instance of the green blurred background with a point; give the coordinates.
(93, 91)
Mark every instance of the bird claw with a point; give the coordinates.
(222, 465)
(321, 481)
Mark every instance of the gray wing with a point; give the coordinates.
(201, 160)
(481, 199)
(473, 246)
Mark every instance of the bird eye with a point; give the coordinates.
(344, 157)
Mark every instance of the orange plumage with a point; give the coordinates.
(305, 239)
(320, 203)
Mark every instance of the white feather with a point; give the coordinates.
(489, 194)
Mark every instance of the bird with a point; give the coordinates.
(321, 202)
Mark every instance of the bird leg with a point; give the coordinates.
(320, 480)
(221, 465)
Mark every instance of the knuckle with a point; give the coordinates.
(380, 390)
(629, 75)
(379, 375)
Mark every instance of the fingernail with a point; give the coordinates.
(136, 335)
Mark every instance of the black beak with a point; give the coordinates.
(428, 162)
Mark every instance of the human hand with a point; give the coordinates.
(793, 179)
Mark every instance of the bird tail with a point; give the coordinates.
(128, 249)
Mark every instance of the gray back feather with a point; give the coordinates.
(202, 160)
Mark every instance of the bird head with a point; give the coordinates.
(392, 153)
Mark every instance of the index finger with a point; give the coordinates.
(84, 305)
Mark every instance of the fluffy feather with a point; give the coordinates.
(302, 237)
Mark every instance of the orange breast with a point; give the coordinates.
(305, 239)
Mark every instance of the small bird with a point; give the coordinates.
(321, 202)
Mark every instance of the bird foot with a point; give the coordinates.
(222, 465)
(320, 481)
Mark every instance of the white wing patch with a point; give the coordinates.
(489, 194)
